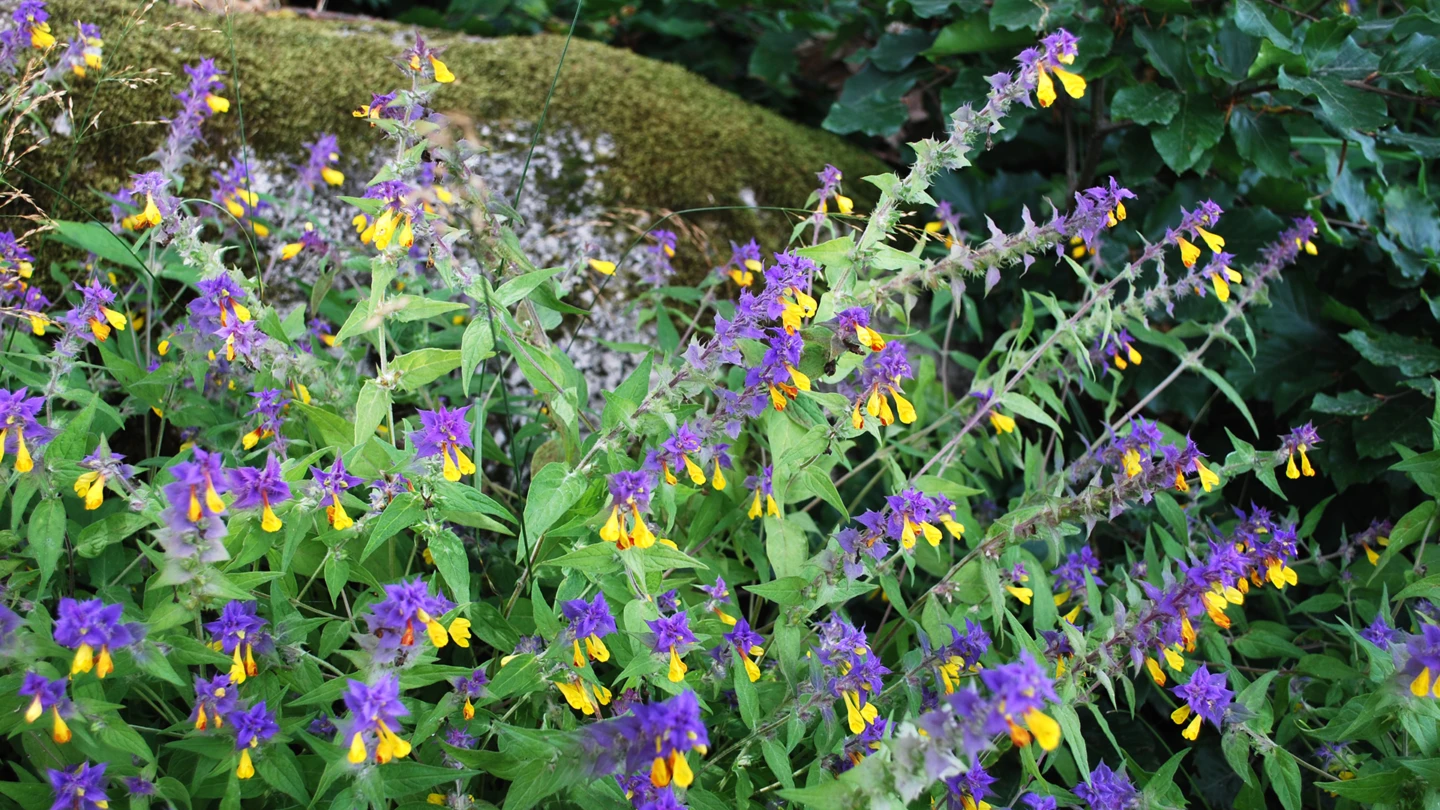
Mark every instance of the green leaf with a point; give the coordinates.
(1251, 18)
(873, 115)
(401, 513)
(424, 366)
(1387, 786)
(476, 346)
(817, 482)
(452, 562)
(417, 308)
(47, 536)
(785, 546)
(1029, 410)
(1261, 139)
(514, 291)
(744, 690)
(596, 558)
(1284, 776)
(1412, 357)
(371, 408)
(92, 237)
(70, 443)
(331, 430)
(974, 35)
(1145, 104)
(622, 402)
(1345, 107)
(1196, 127)
(404, 777)
(552, 492)
(786, 591)
(1016, 15)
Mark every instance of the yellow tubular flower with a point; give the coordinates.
(1189, 253)
(1073, 83)
(59, 731)
(442, 73)
(1001, 423)
(246, 769)
(1215, 242)
(1044, 727)
(602, 266)
(1044, 88)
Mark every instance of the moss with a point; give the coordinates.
(678, 141)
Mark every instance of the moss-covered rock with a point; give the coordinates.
(674, 141)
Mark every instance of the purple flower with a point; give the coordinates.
(263, 487)
(1299, 440)
(653, 738)
(1380, 633)
(89, 626)
(324, 151)
(252, 727)
(269, 404)
(1108, 790)
(47, 695)
(1423, 665)
(159, 203)
(392, 620)
(1037, 802)
(17, 419)
(82, 788)
(829, 188)
(240, 628)
(880, 377)
(9, 623)
(763, 485)
(459, 738)
(1022, 689)
(855, 323)
(668, 602)
(198, 101)
(374, 720)
(779, 371)
(718, 594)
(588, 622)
(968, 789)
(658, 268)
(218, 304)
(747, 643)
(1207, 696)
(443, 433)
(471, 686)
(243, 339)
(322, 726)
(214, 699)
(103, 466)
(196, 491)
(962, 653)
(136, 786)
(673, 636)
(630, 496)
(330, 484)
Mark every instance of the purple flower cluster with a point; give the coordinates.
(238, 629)
(652, 738)
(20, 431)
(1257, 551)
(853, 671)
(94, 631)
(589, 621)
(445, 433)
(373, 724)
(392, 621)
